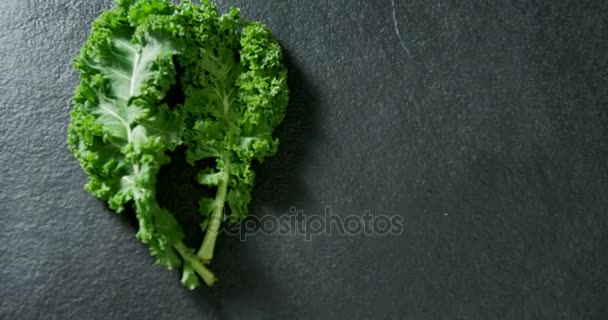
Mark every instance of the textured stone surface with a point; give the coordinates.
(485, 126)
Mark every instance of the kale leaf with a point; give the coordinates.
(233, 81)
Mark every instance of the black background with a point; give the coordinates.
(483, 124)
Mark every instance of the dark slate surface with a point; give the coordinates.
(484, 126)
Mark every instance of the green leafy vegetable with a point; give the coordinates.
(230, 74)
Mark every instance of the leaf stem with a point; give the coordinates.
(205, 253)
(206, 274)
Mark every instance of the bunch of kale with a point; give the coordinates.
(233, 81)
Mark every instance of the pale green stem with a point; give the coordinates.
(205, 253)
(206, 274)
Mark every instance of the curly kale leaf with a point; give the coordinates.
(241, 82)
(121, 128)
